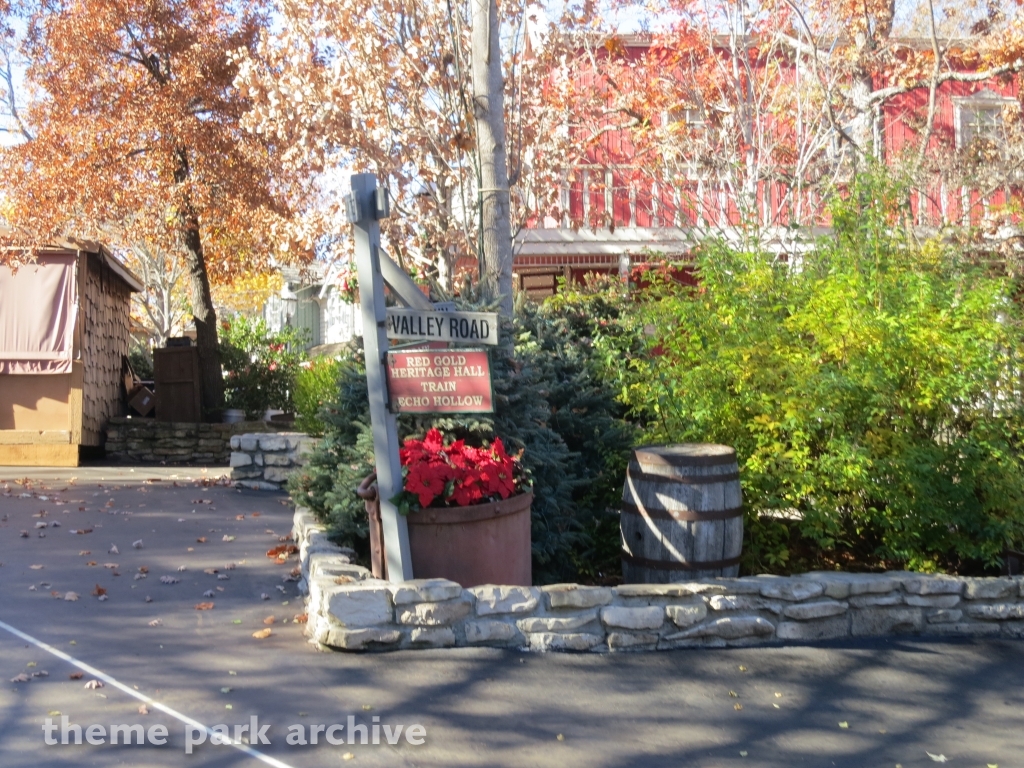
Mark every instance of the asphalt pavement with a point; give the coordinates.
(160, 657)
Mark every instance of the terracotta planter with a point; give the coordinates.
(480, 544)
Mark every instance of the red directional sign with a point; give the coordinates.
(439, 381)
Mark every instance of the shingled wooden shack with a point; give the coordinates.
(64, 332)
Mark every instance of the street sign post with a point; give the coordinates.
(363, 211)
(421, 381)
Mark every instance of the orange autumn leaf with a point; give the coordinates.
(282, 551)
(262, 634)
(98, 591)
(204, 606)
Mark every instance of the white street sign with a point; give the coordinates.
(461, 327)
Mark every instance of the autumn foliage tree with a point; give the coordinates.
(387, 87)
(136, 137)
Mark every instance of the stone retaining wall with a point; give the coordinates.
(148, 440)
(265, 462)
(350, 610)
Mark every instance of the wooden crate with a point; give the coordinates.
(176, 379)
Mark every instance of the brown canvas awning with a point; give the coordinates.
(38, 308)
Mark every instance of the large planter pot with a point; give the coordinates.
(480, 544)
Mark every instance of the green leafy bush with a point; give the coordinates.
(548, 402)
(871, 389)
(259, 365)
(316, 385)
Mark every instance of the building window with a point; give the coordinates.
(980, 118)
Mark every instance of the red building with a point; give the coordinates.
(689, 159)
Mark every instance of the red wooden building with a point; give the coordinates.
(628, 197)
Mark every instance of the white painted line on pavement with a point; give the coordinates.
(140, 696)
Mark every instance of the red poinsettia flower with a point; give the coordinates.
(456, 474)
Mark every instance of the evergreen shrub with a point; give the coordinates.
(549, 403)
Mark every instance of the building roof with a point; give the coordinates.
(79, 246)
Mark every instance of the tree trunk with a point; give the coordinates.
(489, 117)
(203, 313)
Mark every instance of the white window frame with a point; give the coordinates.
(971, 105)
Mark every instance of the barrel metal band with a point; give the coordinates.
(681, 515)
(634, 471)
(671, 565)
(650, 455)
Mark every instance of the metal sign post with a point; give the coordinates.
(365, 206)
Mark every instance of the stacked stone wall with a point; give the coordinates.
(348, 609)
(151, 441)
(266, 461)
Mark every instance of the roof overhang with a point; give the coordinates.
(66, 244)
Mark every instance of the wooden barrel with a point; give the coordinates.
(682, 515)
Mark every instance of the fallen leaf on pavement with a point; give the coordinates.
(137, 544)
(113, 550)
(733, 694)
(201, 540)
(111, 566)
(223, 576)
(300, 618)
(22, 678)
(262, 634)
(264, 596)
(225, 690)
(54, 713)
(37, 567)
(91, 562)
(937, 758)
(93, 685)
(75, 676)
(204, 606)
(844, 724)
(143, 569)
(71, 597)
(169, 580)
(85, 552)
(156, 622)
(737, 707)
(269, 620)
(227, 538)
(239, 517)
(209, 593)
(348, 756)
(99, 591)
(282, 551)
(143, 709)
